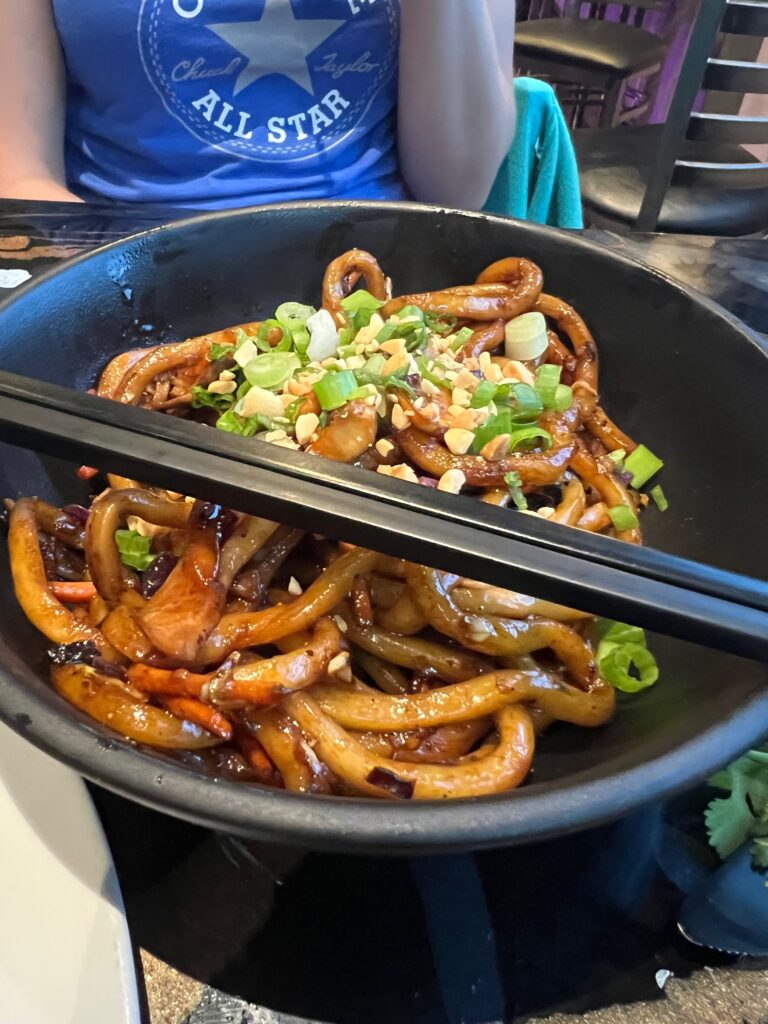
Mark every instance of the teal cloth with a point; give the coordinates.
(539, 179)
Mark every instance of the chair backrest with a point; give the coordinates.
(630, 12)
(697, 131)
(627, 12)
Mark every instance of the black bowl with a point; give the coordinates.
(679, 373)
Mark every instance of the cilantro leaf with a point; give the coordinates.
(220, 352)
(743, 814)
(729, 820)
(204, 399)
(391, 381)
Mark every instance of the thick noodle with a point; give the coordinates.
(316, 666)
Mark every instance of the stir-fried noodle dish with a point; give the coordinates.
(270, 654)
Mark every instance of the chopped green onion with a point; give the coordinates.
(501, 423)
(618, 632)
(293, 411)
(427, 372)
(220, 352)
(618, 456)
(515, 485)
(361, 299)
(642, 464)
(335, 389)
(375, 363)
(360, 307)
(484, 394)
(524, 437)
(262, 337)
(628, 667)
(134, 549)
(623, 518)
(525, 337)
(524, 400)
(660, 498)
(288, 341)
(623, 658)
(389, 330)
(293, 315)
(397, 380)
(547, 380)
(438, 325)
(461, 339)
(301, 342)
(410, 312)
(272, 369)
(520, 436)
(563, 398)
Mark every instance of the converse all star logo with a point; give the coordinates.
(269, 80)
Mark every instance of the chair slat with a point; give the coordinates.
(704, 127)
(736, 76)
(746, 18)
(729, 175)
(710, 165)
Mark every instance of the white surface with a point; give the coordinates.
(65, 954)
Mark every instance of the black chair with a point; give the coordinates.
(691, 175)
(592, 58)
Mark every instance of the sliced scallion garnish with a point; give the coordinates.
(134, 549)
(335, 389)
(623, 518)
(485, 392)
(271, 369)
(515, 485)
(547, 381)
(642, 464)
(660, 498)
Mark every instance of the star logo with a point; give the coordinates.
(278, 43)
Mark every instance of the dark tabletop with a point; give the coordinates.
(580, 928)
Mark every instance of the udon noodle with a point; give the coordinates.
(269, 654)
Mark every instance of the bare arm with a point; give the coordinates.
(456, 117)
(32, 96)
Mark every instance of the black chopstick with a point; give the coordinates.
(380, 513)
(641, 561)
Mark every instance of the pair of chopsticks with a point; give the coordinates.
(645, 587)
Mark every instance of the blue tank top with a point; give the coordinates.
(213, 103)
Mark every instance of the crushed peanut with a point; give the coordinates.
(399, 419)
(306, 425)
(384, 447)
(392, 346)
(395, 362)
(458, 441)
(222, 387)
(496, 448)
(452, 481)
(461, 397)
(404, 472)
(466, 380)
